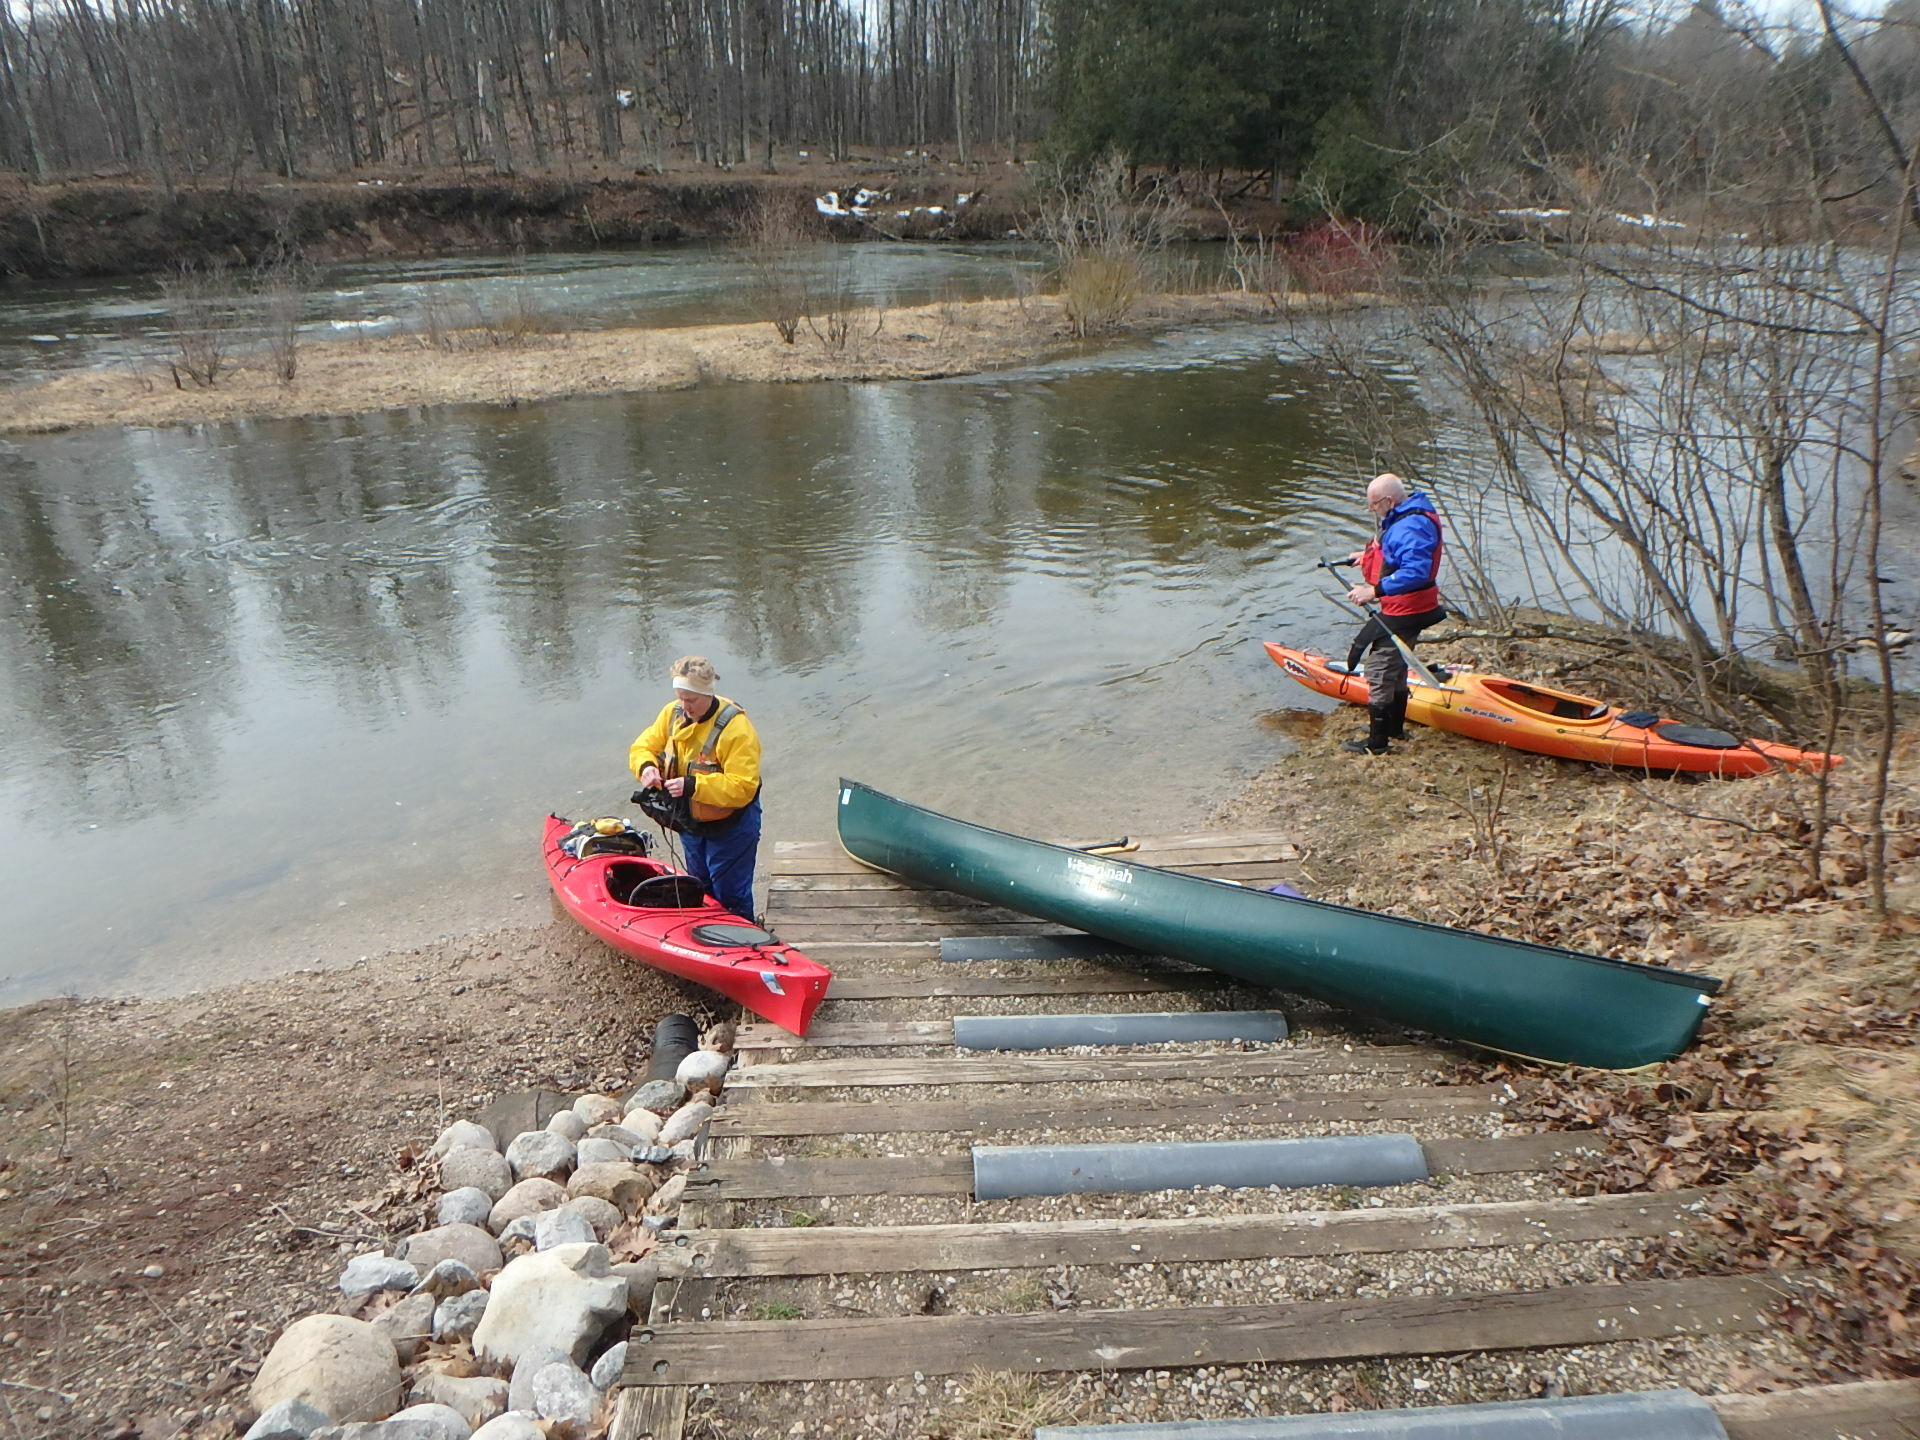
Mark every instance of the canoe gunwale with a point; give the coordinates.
(1687, 980)
(1507, 996)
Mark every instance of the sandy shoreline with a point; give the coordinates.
(353, 377)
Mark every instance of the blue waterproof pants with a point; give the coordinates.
(724, 863)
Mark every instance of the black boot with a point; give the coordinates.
(1376, 741)
(1397, 717)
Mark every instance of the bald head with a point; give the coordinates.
(1387, 487)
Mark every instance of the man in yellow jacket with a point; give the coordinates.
(703, 749)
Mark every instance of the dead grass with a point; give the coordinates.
(994, 1405)
(1801, 1101)
(510, 360)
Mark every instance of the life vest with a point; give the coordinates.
(704, 763)
(1373, 562)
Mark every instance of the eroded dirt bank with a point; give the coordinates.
(105, 226)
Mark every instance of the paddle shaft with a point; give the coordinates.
(1426, 676)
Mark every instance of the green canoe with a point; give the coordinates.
(1507, 995)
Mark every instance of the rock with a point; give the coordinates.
(293, 1419)
(621, 1135)
(477, 1169)
(475, 1400)
(529, 1197)
(509, 1115)
(469, 1244)
(514, 1425)
(598, 1109)
(463, 1134)
(685, 1122)
(622, 1186)
(662, 1097)
(607, 1368)
(459, 1315)
(540, 1155)
(524, 1227)
(409, 1325)
(448, 1277)
(433, 1422)
(420, 1422)
(704, 1070)
(569, 1124)
(520, 1390)
(469, 1205)
(377, 1271)
(666, 1200)
(643, 1123)
(592, 1151)
(562, 1299)
(561, 1227)
(562, 1391)
(641, 1276)
(602, 1215)
(344, 1367)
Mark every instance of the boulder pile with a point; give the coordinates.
(507, 1318)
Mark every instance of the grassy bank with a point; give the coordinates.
(514, 365)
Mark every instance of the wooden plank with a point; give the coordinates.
(832, 1348)
(965, 986)
(907, 928)
(1510, 1154)
(1095, 1069)
(910, 920)
(794, 1177)
(784, 888)
(997, 1116)
(789, 1177)
(1160, 857)
(1182, 840)
(878, 1249)
(1863, 1410)
(851, 953)
(810, 902)
(824, 1033)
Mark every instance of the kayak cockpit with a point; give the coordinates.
(1555, 703)
(648, 885)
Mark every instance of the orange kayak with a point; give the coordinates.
(1553, 722)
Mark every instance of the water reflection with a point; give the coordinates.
(295, 691)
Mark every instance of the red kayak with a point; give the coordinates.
(603, 875)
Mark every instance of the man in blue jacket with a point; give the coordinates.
(1401, 570)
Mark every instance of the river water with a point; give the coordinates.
(282, 694)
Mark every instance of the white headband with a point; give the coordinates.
(687, 682)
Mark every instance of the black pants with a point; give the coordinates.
(1386, 670)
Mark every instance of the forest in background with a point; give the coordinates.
(1357, 107)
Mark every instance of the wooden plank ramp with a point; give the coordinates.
(867, 1122)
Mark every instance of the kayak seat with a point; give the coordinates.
(1577, 710)
(646, 891)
